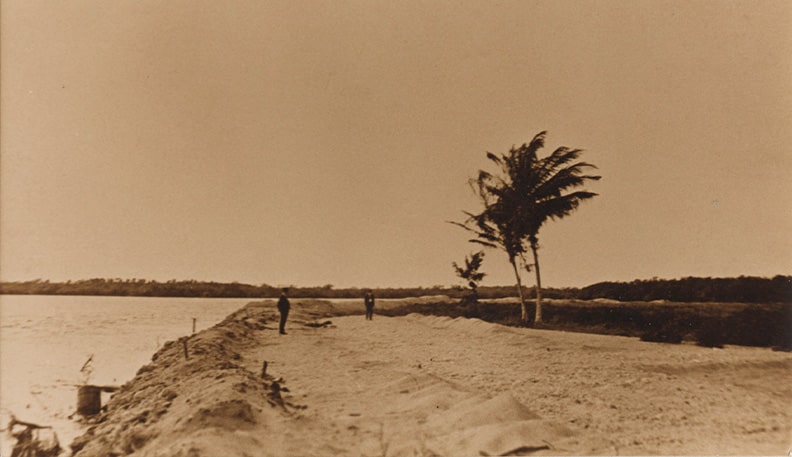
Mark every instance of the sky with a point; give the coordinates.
(321, 142)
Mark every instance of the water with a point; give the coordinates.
(46, 340)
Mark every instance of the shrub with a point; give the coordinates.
(768, 326)
(667, 333)
(711, 334)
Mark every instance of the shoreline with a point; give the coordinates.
(194, 362)
(473, 387)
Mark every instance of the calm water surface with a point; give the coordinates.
(46, 340)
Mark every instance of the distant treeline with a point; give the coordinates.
(743, 289)
(192, 288)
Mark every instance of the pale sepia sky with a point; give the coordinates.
(327, 142)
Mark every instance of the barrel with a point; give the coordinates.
(89, 400)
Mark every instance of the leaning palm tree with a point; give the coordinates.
(526, 192)
(496, 227)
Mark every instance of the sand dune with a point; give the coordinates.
(423, 385)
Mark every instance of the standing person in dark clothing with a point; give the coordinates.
(283, 308)
(369, 301)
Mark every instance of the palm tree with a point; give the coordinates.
(526, 192)
(495, 227)
(471, 274)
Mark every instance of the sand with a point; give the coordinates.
(424, 385)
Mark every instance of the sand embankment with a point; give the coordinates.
(423, 385)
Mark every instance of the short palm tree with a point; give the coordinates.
(526, 192)
(471, 274)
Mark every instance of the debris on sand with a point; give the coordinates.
(319, 324)
(33, 440)
(175, 404)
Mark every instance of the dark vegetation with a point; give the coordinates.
(740, 290)
(192, 288)
(747, 289)
(711, 312)
(706, 324)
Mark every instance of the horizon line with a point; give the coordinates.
(334, 287)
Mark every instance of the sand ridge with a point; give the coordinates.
(425, 385)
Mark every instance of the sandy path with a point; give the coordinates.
(420, 385)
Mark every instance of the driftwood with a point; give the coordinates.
(319, 324)
(14, 421)
(31, 443)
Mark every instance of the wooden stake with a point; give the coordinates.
(186, 355)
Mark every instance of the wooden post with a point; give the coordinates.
(194, 325)
(264, 370)
(186, 355)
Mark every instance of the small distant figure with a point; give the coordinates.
(283, 308)
(369, 301)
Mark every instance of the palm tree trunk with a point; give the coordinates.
(538, 317)
(523, 309)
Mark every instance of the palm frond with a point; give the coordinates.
(537, 143)
(484, 243)
(559, 207)
(494, 158)
(566, 178)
